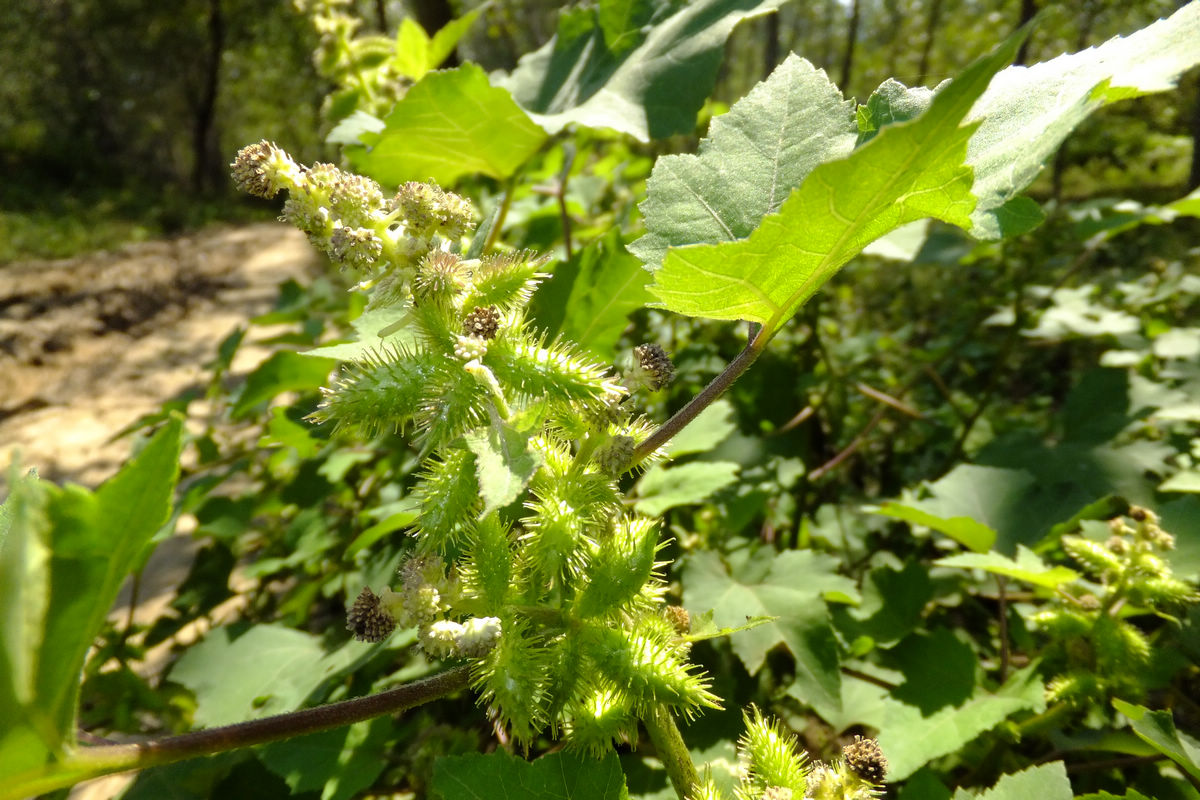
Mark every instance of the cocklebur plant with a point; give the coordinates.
(1097, 650)
(557, 598)
(772, 767)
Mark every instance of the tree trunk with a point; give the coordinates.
(771, 45)
(1194, 175)
(851, 40)
(1028, 11)
(204, 141)
(935, 11)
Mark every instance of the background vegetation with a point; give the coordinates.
(879, 482)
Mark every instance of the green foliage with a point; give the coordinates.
(62, 559)
(492, 482)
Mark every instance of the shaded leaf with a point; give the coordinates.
(1045, 782)
(910, 738)
(640, 67)
(1157, 728)
(284, 371)
(662, 488)
(276, 670)
(788, 587)
(339, 763)
(590, 297)
(376, 328)
(564, 775)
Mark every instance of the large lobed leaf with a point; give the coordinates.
(557, 776)
(920, 154)
(642, 67)
(905, 173)
(65, 555)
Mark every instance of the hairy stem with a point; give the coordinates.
(672, 751)
(707, 397)
(91, 762)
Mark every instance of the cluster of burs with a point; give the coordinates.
(558, 601)
(1097, 651)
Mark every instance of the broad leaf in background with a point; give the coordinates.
(285, 371)
(751, 160)
(907, 172)
(590, 297)
(910, 738)
(642, 67)
(277, 669)
(1028, 111)
(565, 775)
(339, 763)
(1044, 782)
(67, 552)
(1027, 567)
(379, 327)
(788, 586)
(662, 488)
(964, 530)
(450, 124)
(706, 431)
(992, 497)
(1157, 728)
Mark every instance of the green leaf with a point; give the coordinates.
(417, 54)
(504, 464)
(964, 530)
(776, 135)
(377, 328)
(590, 297)
(276, 670)
(284, 371)
(1028, 111)
(1045, 782)
(711, 427)
(642, 67)
(1157, 728)
(787, 587)
(339, 763)
(661, 488)
(910, 738)
(907, 172)
(892, 604)
(1130, 794)
(1027, 567)
(994, 497)
(450, 124)
(564, 775)
(67, 552)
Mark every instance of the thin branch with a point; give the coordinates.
(91, 762)
(1001, 583)
(849, 449)
(703, 400)
(887, 399)
(871, 679)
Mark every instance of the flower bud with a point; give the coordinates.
(482, 323)
(263, 169)
(655, 365)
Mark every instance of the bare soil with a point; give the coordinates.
(90, 344)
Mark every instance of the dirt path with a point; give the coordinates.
(89, 344)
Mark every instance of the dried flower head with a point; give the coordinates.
(655, 365)
(368, 620)
(263, 169)
(864, 757)
(482, 323)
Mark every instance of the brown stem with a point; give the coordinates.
(703, 400)
(91, 762)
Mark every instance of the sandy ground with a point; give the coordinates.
(90, 344)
